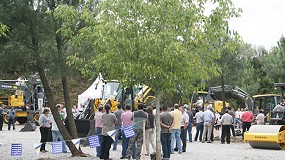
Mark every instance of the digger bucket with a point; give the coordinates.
(29, 126)
(266, 136)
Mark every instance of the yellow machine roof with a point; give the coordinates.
(266, 95)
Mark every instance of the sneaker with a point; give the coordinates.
(179, 152)
(122, 157)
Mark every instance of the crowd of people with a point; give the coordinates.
(176, 127)
(175, 123)
(11, 115)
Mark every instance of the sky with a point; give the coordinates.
(262, 22)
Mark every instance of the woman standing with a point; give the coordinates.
(149, 130)
(109, 120)
(44, 122)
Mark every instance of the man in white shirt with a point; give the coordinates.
(226, 122)
(183, 128)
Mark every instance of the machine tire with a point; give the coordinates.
(22, 120)
(36, 117)
(6, 118)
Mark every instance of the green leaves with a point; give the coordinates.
(162, 44)
(3, 29)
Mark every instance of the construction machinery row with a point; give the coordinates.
(22, 96)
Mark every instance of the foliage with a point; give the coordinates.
(162, 44)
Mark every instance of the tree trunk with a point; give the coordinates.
(223, 92)
(157, 131)
(70, 118)
(49, 95)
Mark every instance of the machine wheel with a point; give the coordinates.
(6, 118)
(36, 118)
(22, 120)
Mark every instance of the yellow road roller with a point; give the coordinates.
(266, 136)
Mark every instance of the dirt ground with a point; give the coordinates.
(237, 150)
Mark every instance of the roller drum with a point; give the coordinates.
(266, 136)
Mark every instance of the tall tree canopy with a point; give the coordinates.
(163, 44)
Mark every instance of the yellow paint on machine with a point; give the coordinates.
(21, 114)
(265, 137)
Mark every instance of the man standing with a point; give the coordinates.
(126, 119)
(138, 118)
(175, 129)
(199, 124)
(166, 121)
(40, 96)
(118, 125)
(226, 122)
(190, 123)
(184, 126)
(11, 118)
(260, 118)
(233, 115)
(98, 128)
(209, 120)
(246, 118)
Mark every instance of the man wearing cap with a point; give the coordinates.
(209, 120)
(246, 118)
(226, 122)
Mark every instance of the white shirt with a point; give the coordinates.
(227, 119)
(237, 114)
(185, 118)
(260, 119)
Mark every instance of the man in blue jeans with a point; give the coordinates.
(126, 119)
(199, 124)
(175, 129)
(190, 123)
(118, 126)
(125, 142)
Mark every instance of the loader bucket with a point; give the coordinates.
(91, 132)
(29, 126)
(83, 127)
(266, 136)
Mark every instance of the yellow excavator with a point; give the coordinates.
(113, 94)
(269, 136)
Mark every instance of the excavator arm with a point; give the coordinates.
(215, 93)
(8, 86)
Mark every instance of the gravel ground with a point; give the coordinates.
(237, 150)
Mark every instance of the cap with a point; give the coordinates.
(209, 106)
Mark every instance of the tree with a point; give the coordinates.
(42, 46)
(274, 62)
(161, 44)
